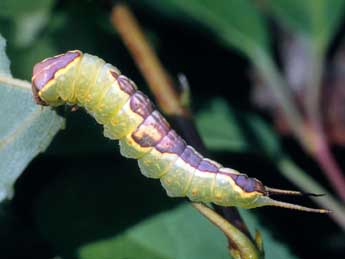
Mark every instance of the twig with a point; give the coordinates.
(156, 76)
(15, 82)
(163, 89)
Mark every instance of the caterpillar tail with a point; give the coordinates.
(275, 191)
(267, 201)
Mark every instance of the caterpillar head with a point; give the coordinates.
(45, 75)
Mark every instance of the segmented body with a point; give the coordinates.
(129, 116)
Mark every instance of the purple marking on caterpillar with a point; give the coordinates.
(144, 136)
(207, 166)
(191, 157)
(141, 105)
(126, 85)
(45, 70)
(171, 143)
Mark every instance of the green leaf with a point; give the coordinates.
(237, 22)
(26, 129)
(318, 19)
(104, 216)
(186, 233)
(225, 129)
(180, 233)
(227, 133)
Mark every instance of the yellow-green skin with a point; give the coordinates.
(128, 116)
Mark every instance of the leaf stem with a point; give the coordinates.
(15, 82)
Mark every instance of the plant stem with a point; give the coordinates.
(15, 82)
(156, 76)
(163, 89)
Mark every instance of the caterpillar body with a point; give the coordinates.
(128, 115)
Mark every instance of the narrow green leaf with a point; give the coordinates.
(26, 129)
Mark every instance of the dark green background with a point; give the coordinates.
(81, 190)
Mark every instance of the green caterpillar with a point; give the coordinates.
(129, 116)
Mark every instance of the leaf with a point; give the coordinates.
(237, 22)
(180, 233)
(93, 213)
(318, 19)
(26, 129)
(235, 131)
(227, 133)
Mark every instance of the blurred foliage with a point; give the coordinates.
(80, 199)
(240, 132)
(317, 19)
(237, 23)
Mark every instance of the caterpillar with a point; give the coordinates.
(127, 115)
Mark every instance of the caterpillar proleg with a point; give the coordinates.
(129, 116)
